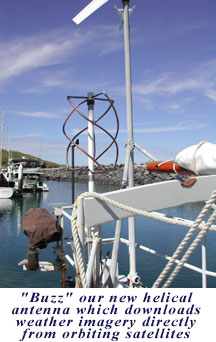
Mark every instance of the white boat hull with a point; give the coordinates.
(6, 192)
(5, 204)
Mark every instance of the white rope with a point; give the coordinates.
(152, 215)
(190, 250)
(130, 144)
(186, 239)
(164, 162)
(76, 240)
(156, 216)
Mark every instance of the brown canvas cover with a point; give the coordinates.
(41, 227)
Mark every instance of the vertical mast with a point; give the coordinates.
(91, 152)
(88, 10)
(2, 132)
(129, 107)
(9, 143)
(91, 141)
(130, 142)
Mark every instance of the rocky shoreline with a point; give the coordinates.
(108, 175)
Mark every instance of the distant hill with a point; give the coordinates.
(15, 154)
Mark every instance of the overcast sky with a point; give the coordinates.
(44, 57)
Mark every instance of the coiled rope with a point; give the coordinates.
(77, 245)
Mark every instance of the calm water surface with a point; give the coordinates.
(159, 236)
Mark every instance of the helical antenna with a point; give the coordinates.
(73, 141)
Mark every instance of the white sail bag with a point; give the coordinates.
(200, 158)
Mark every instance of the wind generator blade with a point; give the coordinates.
(88, 10)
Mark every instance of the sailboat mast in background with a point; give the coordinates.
(2, 132)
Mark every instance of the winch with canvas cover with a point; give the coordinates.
(41, 227)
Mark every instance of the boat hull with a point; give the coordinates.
(6, 192)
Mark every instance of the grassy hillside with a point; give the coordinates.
(15, 154)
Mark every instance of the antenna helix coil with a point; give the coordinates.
(75, 141)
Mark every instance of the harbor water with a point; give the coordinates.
(158, 236)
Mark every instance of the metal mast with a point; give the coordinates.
(2, 132)
(88, 10)
(130, 141)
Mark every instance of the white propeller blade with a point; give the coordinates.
(88, 10)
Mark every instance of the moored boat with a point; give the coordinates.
(6, 188)
(6, 192)
(26, 174)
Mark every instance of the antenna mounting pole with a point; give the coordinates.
(88, 10)
(130, 141)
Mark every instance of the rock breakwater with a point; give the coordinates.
(109, 175)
